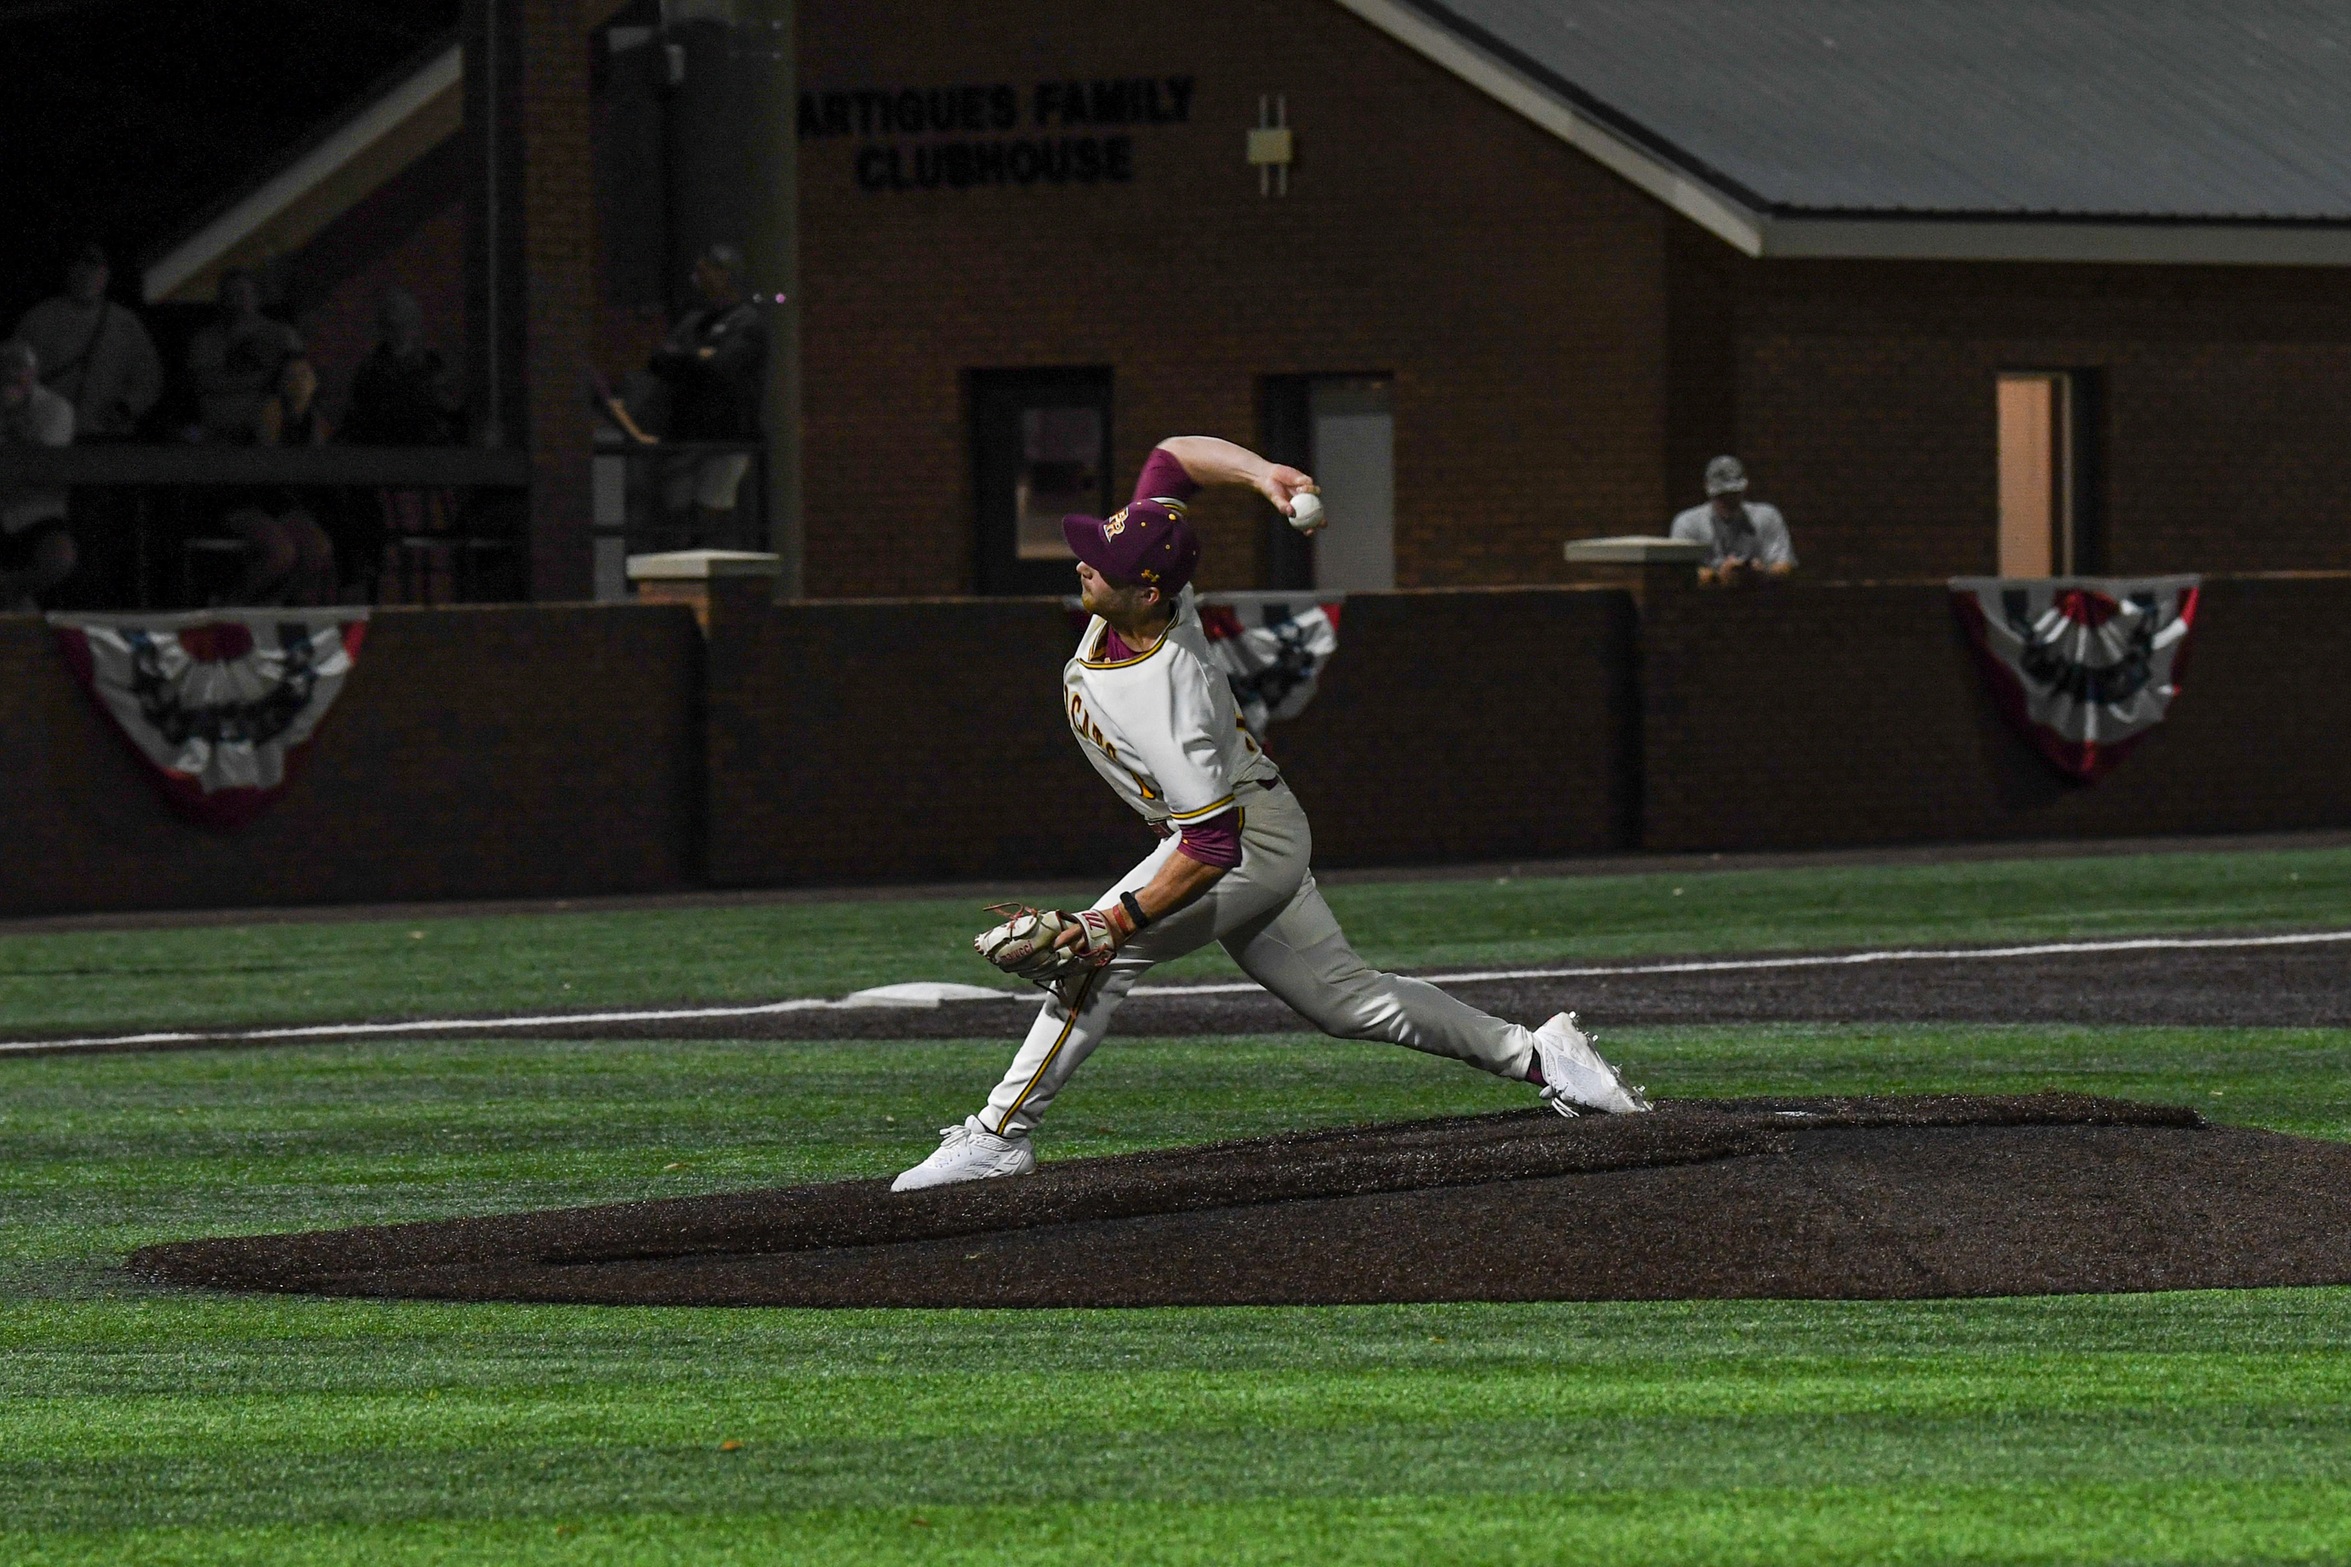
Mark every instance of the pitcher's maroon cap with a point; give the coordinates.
(1149, 545)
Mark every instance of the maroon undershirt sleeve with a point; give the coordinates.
(1216, 841)
(1162, 475)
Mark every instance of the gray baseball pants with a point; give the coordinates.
(1272, 919)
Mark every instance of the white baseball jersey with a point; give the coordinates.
(1161, 726)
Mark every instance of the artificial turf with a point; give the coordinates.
(210, 975)
(140, 1426)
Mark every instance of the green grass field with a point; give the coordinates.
(299, 972)
(140, 1426)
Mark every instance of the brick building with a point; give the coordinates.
(1969, 284)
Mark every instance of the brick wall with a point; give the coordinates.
(564, 750)
(475, 753)
(1513, 288)
(1865, 409)
(557, 208)
(1816, 716)
(908, 740)
(887, 741)
(1477, 725)
(1566, 352)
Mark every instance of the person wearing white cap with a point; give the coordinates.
(1743, 538)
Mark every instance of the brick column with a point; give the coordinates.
(531, 239)
(493, 262)
(558, 199)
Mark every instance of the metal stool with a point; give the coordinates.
(426, 561)
(419, 560)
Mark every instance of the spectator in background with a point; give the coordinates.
(36, 547)
(254, 387)
(94, 353)
(714, 366)
(288, 557)
(238, 362)
(401, 395)
(1744, 539)
(98, 356)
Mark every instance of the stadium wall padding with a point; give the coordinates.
(1818, 715)
(575, 750)
(524, 751)
(1472, 724)
(924, 739)
(896, 740)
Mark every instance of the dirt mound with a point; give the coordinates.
(1814, 1198)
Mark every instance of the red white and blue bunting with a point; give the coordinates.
(219, 703)
(2083, 666)
(1272, 648)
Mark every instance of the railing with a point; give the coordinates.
(150, 515)
(422, 467)
(650, 499)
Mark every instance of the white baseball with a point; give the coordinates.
(1306, 511)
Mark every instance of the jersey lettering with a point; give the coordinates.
(1087, 730)
(1120, 712)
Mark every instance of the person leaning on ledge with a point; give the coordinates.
(1745, 540)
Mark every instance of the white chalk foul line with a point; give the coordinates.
(866, 1000)
(416, 1026)
(1819, 960)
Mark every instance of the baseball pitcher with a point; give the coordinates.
(1158, 722)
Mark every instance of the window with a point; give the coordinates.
(2045, 526)
(1040, 449)
(1342, 430)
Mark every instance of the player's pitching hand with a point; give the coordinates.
(1281, 485)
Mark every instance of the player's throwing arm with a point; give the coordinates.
(1153, 715)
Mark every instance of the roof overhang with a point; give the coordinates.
(1926, 238)
(285, 211)
(421, 109)
(1738, 220)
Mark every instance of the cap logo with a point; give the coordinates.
(1115, 524)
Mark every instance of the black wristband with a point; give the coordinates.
(1134, 910)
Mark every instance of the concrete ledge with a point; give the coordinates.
(722, 585)
(702, 565)
(1634, 549)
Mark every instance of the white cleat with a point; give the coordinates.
(969, 1153)
(1575, 1079)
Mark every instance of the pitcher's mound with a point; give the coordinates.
(1820, 1198)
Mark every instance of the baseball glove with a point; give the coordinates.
(1025, 943)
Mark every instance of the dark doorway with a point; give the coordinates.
(1285, 434)
(1341, 429)
(1040, 448)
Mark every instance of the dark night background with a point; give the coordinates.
(123, 119)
